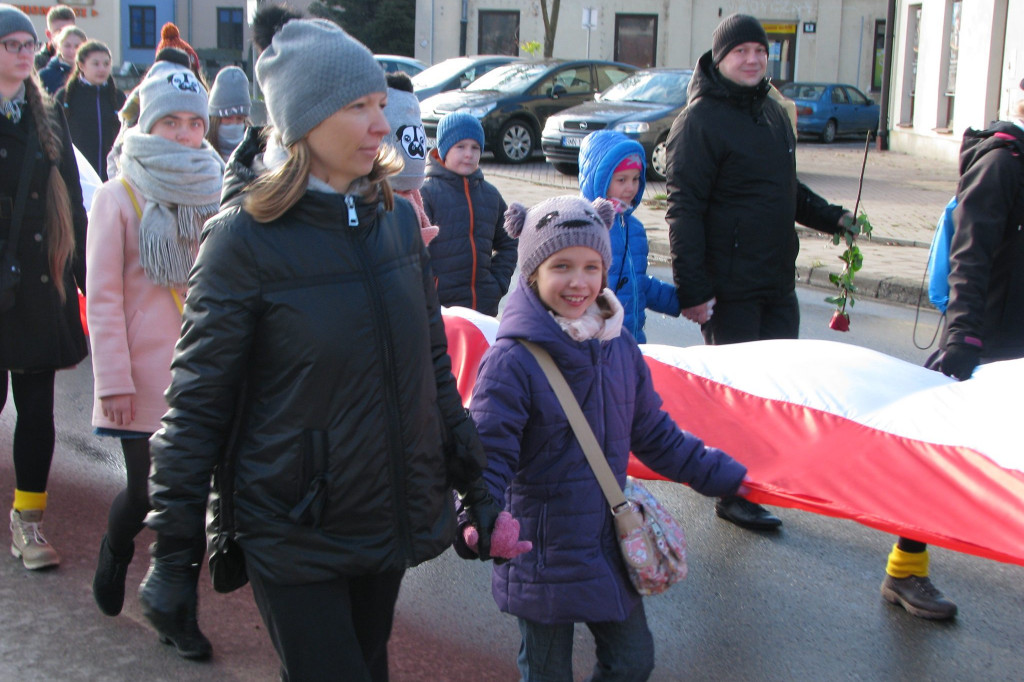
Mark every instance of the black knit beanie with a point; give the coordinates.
(734, 30)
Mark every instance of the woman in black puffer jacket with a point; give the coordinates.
(316, 295)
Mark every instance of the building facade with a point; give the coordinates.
(216, 29)
(956, 65)
(811, 40)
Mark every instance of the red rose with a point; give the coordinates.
(840, 321)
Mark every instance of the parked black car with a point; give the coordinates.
(455, 73)
(513, 101)
(642, 106)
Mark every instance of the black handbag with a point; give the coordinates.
(226, 558)
(10, 267)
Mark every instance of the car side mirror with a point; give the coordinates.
(557, 91)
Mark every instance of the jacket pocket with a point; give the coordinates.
(313, 480)
(542, 528)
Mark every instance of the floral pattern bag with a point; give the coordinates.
(652, 542)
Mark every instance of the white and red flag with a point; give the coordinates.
(843, 431)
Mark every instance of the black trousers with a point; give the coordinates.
(754, 319)
(34, 433)
(331, 630)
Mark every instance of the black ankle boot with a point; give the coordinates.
(108, 583)
(170, 598)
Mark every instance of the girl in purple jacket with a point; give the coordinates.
(575, 573)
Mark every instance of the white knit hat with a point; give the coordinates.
(229, 95)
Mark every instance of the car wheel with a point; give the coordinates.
(566, 168)
(515, 142)
(828, 136)
(657, 165)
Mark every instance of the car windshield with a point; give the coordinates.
(510, 79)
(649, 86)
(802, 91)
(439, 73)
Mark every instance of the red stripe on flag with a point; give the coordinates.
(813, 460)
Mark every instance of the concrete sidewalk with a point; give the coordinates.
(903, 197)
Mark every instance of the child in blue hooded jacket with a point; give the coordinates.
(612, 166)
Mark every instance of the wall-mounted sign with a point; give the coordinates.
(43, 9)
(810, 27)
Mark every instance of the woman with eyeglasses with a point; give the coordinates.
(42, 236)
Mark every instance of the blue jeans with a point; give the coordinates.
(625, 650)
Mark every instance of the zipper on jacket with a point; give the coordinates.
(353, 217)
(99, 131)
(627, 265)
(472, 244)
(394, 437)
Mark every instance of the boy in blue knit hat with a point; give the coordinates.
(472, 257)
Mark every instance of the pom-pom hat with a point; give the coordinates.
(557, 224)
(170, 36)
(310, 70)
(13, 20)
(734, 30)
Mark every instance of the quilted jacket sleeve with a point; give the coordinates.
(220, 315)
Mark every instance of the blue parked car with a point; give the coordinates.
(829, 110)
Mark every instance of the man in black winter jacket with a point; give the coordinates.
(733, 199)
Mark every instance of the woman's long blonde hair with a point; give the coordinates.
(274, 193)
(59, 223)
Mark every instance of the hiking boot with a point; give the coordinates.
(918, 596)
(108, 583)
(746, 514)
(27, 541)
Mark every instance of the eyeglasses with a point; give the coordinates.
(17, 47)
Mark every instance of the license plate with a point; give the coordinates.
(571, 141)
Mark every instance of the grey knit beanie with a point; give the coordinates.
(456, 127)
(407, 137)
(167, 89)
(13, 20)
(229, 95)
(734, 30)
(556, 224)
(310, 70)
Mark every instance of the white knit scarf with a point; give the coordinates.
(602, 320)
(182, 190)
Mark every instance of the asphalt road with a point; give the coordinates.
(801, 604)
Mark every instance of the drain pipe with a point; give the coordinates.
(882, 138)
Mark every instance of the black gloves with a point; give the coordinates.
(959, 360)
(169, 596)
(464, 455)
(482, 511)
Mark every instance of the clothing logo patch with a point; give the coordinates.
(185, 82)
(413, 141)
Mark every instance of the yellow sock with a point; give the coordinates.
(905, 564)
(26, 500)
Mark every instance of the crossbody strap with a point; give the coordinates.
(580, 427)
(138, 212)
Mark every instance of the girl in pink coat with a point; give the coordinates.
(143, 237)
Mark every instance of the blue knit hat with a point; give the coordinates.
(456, 127)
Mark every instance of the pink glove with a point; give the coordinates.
(505, 542)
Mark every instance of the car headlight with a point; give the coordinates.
(551, 126)
(633, 127)
(480, 111)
